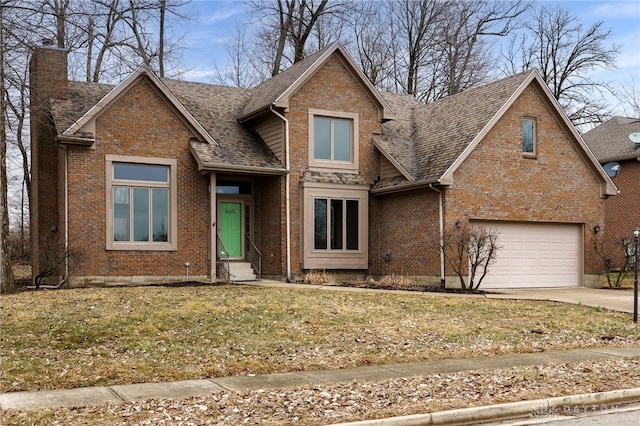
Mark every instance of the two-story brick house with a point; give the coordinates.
(154, 179)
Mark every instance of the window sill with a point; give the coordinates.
(141, 247)
(529, 155)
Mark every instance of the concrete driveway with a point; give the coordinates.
(616, 300)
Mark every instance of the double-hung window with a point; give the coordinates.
(333, 140)
(141, 204)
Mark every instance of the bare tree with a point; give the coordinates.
(470, 251)
(629, 97)
(442, 48)
(240, 70)
(373, 47)
(466, 27)
(290, 23)
(7, 283)
(413, 26)
(566, 53)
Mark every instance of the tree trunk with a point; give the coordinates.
(6, 274)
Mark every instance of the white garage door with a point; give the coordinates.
(535, 255)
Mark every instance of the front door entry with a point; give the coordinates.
(230, 227)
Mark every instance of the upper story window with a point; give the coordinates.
(528, 136)
(141, 204)
(333, 140)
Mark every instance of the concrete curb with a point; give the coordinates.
(511, 410)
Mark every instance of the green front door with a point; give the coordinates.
(230, 225)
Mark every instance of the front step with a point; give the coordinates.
(241, 271)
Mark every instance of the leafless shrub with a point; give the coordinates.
(53, 257)
(470, 250)
(615, 253)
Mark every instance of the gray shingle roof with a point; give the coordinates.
(80, 98)
(610, 140)
(216, 109)
(341, 178)
(426, 139)
(266, 93)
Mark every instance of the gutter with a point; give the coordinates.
(408, 186)
(441, 222)
(286, 184)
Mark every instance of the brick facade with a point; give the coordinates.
(497, 182)
(140, 123)
(622, 212)
(332, 88)
(48, 79)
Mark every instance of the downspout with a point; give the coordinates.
(441, 220)
(66, 215)
(286, 190)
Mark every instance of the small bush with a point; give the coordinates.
(318, 277)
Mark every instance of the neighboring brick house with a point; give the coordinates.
(613, 147)
(154, 179)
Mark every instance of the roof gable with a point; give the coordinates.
(445, 132)
(142, 72)
(277, 90)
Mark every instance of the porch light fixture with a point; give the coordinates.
(636, 235)
(458, 224)
(596, 229)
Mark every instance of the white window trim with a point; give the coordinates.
(172, 244)
(327, 258)
(534, 151)
(332, 165)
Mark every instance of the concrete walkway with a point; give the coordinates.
(619, 300)
(612, 299)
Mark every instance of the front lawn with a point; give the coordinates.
(101, 336)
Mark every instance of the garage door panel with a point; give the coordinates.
(534, 255)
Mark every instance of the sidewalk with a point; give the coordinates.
(93, 396)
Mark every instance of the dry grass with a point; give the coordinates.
(100, 336)
(400, 282)
(319, 278)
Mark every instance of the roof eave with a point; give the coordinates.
(408, 186)
(73, 140)
(220, 167)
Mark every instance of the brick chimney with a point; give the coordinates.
(48, 72)
(48, 80)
